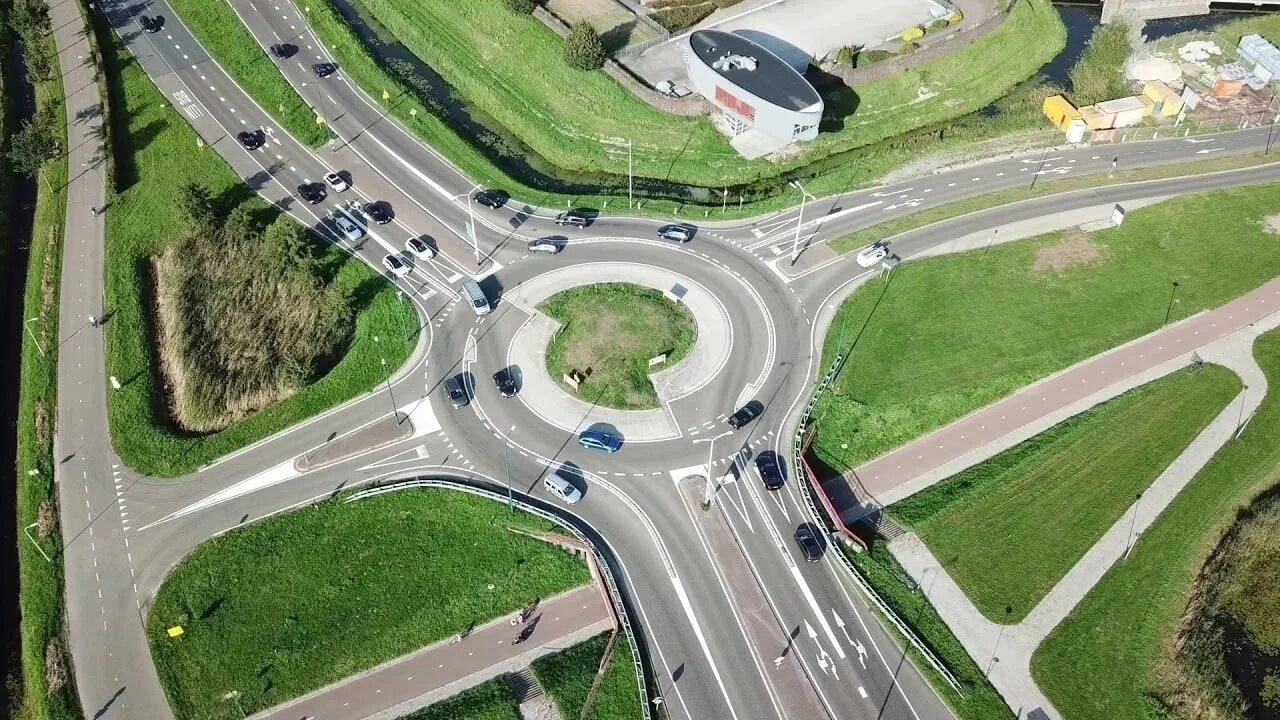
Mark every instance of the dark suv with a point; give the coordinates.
(490, 198)
(574, 218)
(810, 545)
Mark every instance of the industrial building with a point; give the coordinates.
(766, 103)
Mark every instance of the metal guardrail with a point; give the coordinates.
(615, 595)
(798, 448)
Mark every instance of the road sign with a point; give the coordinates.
(175, 631)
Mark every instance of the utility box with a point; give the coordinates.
(1075, 131)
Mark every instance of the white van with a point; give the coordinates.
(475, 297)
(557, 485)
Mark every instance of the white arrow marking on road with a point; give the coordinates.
(1206, 151)
(1195, 141)
(862, 654)
(1032, 161)
(895, 192)
(840, 624)
(906, 203)
(813, 634)
(822, 663)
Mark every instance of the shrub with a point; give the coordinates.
(845, 56)
(682, 16)
(908, 48)
(871, 57)
(521, 7)
(915, 32)
(940, 24)
(583, 49)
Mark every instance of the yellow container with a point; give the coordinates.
(1060, 111)
(1167, 102)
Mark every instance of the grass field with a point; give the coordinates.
(489, 701)
(291, 604)
(944, 336)
(222, 34)
(1053, 496)
(40, 596)
(140, 222)
(1105, 661)
(567, 677)
(613, 329)
(978, 699)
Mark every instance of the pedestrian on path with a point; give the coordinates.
(95, 210)
(777, 662)
(93, 321)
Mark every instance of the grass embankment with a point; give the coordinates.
(297, 602)
(610, 331)
(1109, 659)
(943, 336)
(40, 581)
(225, 38)
(489, 701)
(1053, 496)
(568, 675)
(141, 222)
(978, 700)
(897, 226)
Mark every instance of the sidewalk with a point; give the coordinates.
(449, 667)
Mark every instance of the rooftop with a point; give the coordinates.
(754, 69)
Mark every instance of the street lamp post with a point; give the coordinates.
(1168, 310)
(1133, 522)
(395, 411)
(711, 448)
(999, 636)
(27, 325)
(629, 174)
(795, 244)
(471, 224)
(506, 457)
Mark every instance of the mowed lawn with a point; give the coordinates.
(1008, 529)
(944, 336)
(291, 604)
(511, 67)
(141, 220)
(568, 675)
(488, 701)
(1105, 661)
(613, 330)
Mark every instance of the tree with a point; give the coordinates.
(30, 19)
(285, 245)
(583, 49)
(195, 209)
(39, 62)
(520, 7)
(35, 143)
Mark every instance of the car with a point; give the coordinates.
(456, 389)
(505, 383)
(559, 486)
(574, 218)
(397, 264)
(151, 24)
(324, 69)
(283, 50)
(675, 233)
(550, 245)
(490, 198)
(251, 140)
(871, 255)
(597, 440)
(770, 467)
(312, 192)
(745, 414)
(420, 247)
(378, 212)
(810, 545)
(348, 228)
(335, 181)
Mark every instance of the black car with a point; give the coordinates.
(283, 50)
(151, 24)
(675, 233)
(505, 383)
(490, 198)
(379, 212)
(746, 414)
(457, 392)
(324, 69)
(574, 218)
(810, 545)
(770, 467)
(251, 140)
(312, 192)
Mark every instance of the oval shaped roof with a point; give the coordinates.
(753, 68)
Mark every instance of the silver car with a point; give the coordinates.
(348, 228)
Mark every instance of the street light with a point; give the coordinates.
(1169, 309)
(394, 409)
(706, 496)
(804, 195)
(471, 224)
(27, 325)
(629, 173)
(1007, 610)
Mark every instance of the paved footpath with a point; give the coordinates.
(1035, 408)
(449, 667)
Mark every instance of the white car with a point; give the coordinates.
(420, 248)
(335, 181)
(871, 255)
(397, 264)
(348, 228)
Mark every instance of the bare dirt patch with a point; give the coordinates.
(1271, 224)
(1075, 248)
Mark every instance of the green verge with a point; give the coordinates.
(944, 336)
(489, 701)
(225, 38)
(1105, 660)
(296, 602)
(885, 230)
(149, 134)
(1053, 496)
(614, 329)
(978, 700)
(567, 677)
(40, 582)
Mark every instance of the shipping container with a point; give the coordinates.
(1227, 88)
(1166, 102)
(1128, 110)
(1095, 119)
(1060, 111)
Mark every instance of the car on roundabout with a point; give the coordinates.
(557, 485)
(397, 264)
(492, 199)
(549, 245)
(456, 389)
(420, 247)
(574, 218)
(675, 233)
(349, 229)
(312, 192)
(602, 441)
(505, 383)
(769, 466)
(745, 414)
(871, 255)
(335, 181)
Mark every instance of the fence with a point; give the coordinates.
(615, 595)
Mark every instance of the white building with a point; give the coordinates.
(766, 103)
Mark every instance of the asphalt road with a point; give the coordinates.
(704, 661)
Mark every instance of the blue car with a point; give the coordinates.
(596, 440)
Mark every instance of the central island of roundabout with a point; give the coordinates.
(574, 312)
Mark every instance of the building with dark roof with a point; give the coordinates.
(766, 103)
